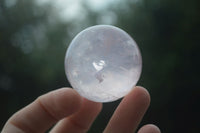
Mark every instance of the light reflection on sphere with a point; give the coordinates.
(103, 63)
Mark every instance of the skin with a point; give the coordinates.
(74, 114)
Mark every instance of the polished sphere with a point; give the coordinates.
(103, 63)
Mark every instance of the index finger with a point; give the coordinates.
(44, 112)
(129, 112)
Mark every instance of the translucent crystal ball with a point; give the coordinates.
(103, 63)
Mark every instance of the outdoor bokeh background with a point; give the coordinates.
(35, 34)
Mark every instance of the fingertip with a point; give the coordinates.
(97, 106)
(144, 91)
(141, 94)
(76, 99)
(149, 128)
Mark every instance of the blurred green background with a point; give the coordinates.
(35, 34)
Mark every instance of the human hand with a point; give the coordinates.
(74, 114)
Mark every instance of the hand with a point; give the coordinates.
(74, 114)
